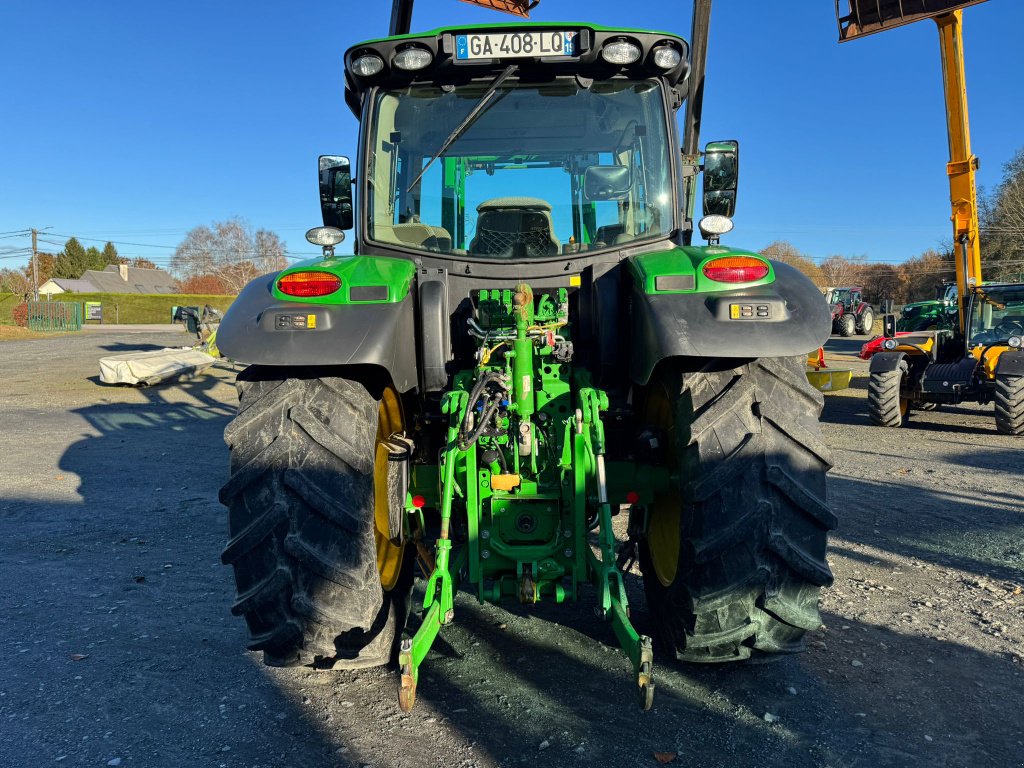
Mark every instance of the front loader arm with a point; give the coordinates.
(962, 166)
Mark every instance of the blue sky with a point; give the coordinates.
(137, 121)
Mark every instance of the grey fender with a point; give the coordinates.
(1010, 364)
(699, 324)
(885, 362)
(255, 331)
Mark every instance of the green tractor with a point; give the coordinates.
(935, 314)
(524, 345)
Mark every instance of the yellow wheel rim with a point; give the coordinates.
(663, 525)
(389, 556)
(904, 406)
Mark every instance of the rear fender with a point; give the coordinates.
(380, 335)
(699, 324)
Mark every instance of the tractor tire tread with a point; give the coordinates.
(755, 519)
(884, 398)
(300, 519)
(1009, 405)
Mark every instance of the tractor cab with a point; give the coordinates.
(528, 141)
(995, 320)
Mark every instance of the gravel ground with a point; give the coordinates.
(117, 646)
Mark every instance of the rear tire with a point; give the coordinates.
(1009, 402)
(867, 322)
(886, 406)
(301, 521)
(734, 559)
(846, 325)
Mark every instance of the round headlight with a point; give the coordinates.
(621, 52)
(1014, 341)
(667, 57)
(715, 224)
(325, 236)
(367, 65)
(889, 344)
(411, 59)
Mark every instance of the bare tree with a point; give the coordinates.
(921, 275)
(230, 252)
(269, 251)
(882, 281)
(780, 250)
(841, 271)
(14, 281)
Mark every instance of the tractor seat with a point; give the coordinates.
(514, 227)
(418, 234)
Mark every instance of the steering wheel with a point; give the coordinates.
(1008, 328)
(1004, 329)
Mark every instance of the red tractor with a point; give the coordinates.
(850, 313)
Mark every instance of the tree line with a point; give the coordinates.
(71, 262)
(912, 280)
(218, 259)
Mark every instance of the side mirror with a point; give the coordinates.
(606, 182)
(721, 177)
(336, 191)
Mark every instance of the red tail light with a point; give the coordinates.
(307, 284)
(735, 269)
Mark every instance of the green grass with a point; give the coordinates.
(126, 307)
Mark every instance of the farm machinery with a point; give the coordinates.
(980, 359)
(933, 314)
(850, 313)
(526, 343)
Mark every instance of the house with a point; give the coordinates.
(65, 285)
(116, 278)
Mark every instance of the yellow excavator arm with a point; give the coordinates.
(865, 17)
(963, 193)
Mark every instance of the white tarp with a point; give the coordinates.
(145, 368)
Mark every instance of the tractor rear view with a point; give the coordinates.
(525, 344)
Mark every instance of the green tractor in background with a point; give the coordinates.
(935, 314)
(524, 345)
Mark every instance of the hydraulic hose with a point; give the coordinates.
(488, 414)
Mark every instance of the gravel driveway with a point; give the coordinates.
(118, 646)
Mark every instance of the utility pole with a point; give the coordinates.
(35, 266)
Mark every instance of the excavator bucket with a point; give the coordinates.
(515, 7)
(865, 17)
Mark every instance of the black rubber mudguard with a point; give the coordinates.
(1010, 364)
(695, 325)
(261, 330)
(884, 362)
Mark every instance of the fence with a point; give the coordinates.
(54, 316)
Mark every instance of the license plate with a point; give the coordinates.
(514, 45)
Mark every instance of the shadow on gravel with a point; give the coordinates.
(131, 578)
(549, 688)
(123, 608)
(941, 525)
(853, 411)
(122, 346)
(928, 512)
